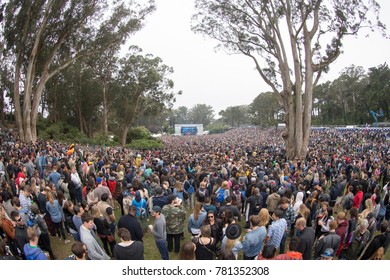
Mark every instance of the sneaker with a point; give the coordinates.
(67, 241)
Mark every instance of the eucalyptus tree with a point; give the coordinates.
(44, 37)
(144, 86)
(291, 42)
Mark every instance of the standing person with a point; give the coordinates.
(382, 240)
(75, 178)
(31, 249)
(44, 239)
(20, 233)
(205, 244)
(330, 240)
(107, 211)
(215, 226)
(254, 239)
(196, 219)
(231, 241)
(187, 251)
(88, 237)
(103, 230)
(276, 230)
(359, 239)
(131, 223)
(159, 232)
(253, 206)
(79, 251)
(292, 253)
(128, 249)
(175, 217)
(54, 210)
(289, 216)
(307, 237)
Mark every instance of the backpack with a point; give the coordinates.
(220, 195)
(348, 203)
(202, 192)
(32, 222)
(238, 197)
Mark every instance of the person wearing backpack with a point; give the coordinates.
(253, 207)
(31, 249)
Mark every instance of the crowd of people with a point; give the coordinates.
(246, 199)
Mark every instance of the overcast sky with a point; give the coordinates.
(222, 80)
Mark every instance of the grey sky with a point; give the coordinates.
(222, 80)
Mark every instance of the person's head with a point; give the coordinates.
(384, 226)
(278, 214)
(363, 226)
(87, 220)
(78, 210)
(15, 216)
(197, 209)
(369, 204)
(333, 225)
(132, 210)
(79, 250)
(187, 251)
(340, 217)
(32, 235)
(104, 197)
(324, 206)
(171, 199)
(205, 231)
(233, 232)
(300, 224)
(211, 216)
(228, 199)
(353, 213)
(124, 234)
(268, 252)
(284, 203)
(328, 254)
(255, 220)
(95, 211)
(293, 245)
(227, 255)
(156, 211)
(264, 217)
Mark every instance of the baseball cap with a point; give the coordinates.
(328, 253)
(156, 208)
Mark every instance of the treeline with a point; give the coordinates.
(347, 100)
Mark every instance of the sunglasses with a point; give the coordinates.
(210, 216)
(19, 220)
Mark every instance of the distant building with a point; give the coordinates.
(188, 129)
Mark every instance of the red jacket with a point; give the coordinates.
(357, 200)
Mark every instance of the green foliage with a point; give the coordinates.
(216, 128)
(145, 144)
(137, 133)
(59, 131)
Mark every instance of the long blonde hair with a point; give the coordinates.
(95, 212)
(197, 209)
(264, 217)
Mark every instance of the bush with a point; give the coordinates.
(138, 132)
(59, 131)
(218, 128)
(145, 144)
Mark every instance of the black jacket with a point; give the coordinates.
(133, 252)
(131, 223)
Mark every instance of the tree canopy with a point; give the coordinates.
(291, 43)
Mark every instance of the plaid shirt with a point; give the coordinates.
(288, 215)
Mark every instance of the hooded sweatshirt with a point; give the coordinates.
(33, 252)
(134, 251)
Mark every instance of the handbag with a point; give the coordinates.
(110, 238)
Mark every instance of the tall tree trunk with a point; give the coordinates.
(18, 109)
(80, 117)
(124, 135)
(105, 108)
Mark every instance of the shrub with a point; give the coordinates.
(145, 144)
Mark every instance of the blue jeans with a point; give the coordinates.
(79, 197)
(162, 247)
(283, 243)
